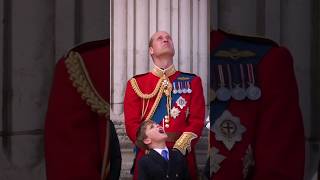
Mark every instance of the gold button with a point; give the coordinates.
(167, 121)
(167, 125)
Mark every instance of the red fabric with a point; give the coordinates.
(195, 101)
(74, 134)
(274, 124)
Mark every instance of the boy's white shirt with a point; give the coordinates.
(159, 150)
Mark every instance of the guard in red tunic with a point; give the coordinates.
(78, 130)
(256, 130)
(169, 97)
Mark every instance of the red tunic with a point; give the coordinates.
(193, 123)
(74, 134)
(274, 127)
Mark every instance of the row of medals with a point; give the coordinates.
(179, 87)
(239, 91)
(223, 93)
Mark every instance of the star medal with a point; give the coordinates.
(215, 160)
(228, 129)
(181, 102)
(174, 112)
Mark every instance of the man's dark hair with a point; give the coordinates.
(141, 134)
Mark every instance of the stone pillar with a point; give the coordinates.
(237, 16)
(33, 35)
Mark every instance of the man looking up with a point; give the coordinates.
(170, 98)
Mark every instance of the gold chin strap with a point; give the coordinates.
(163, 86)
(183, 144)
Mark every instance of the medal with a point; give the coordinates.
(184, 90)
(181, 102)
(223, 93)
(253, 92)
(212, 95)
(174, 112)
(228, 129)
(179, 85)
(215, 160)
(248, 162)
(165, 83)
(189, 89)
(175, 91)
(238, 93)
(187, 112)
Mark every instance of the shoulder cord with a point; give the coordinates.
(79, 75)
(163, 86)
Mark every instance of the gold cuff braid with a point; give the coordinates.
(183, 144)
(81, 81)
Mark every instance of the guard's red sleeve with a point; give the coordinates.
(279, 149)
(197, 108)
(132, 112)
(72, 133)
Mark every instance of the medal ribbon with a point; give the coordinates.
(229, 76)
(221, 76)
(242, 76)
(250, 73)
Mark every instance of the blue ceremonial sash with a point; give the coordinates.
(161, 110)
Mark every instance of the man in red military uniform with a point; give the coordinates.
(256, 130)
(78, 130)
(169, 97)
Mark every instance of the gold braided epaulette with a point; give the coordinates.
(137, 90)
(81, 81)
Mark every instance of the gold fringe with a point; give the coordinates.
(81, 81)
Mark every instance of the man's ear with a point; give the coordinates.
(147, 141)
(151, 51)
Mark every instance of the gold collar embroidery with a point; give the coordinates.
(160, 72)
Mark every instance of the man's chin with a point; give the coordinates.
(167, 52)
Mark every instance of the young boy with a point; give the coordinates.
(160, 162)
